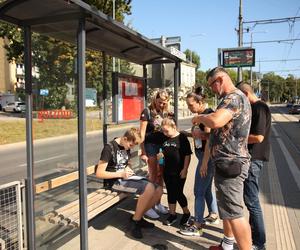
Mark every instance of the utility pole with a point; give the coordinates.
(114, 16)
(240, 39)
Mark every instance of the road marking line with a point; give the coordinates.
(284, 236)
(47, 159)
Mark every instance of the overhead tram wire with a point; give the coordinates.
(276, 41)
(276, 20)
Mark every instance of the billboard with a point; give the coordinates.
(128, 97)
(238, 57)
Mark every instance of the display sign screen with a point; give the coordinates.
(239, 57)
(128, 97)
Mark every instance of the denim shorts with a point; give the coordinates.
(229, 192)
(132, 186)
(152, 149)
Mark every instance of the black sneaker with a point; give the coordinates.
(170, 220)
(184, 219)
(136, 230)
(143, 223)
(146, 224)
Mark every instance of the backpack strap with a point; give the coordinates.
(113, 152)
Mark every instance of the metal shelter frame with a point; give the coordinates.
(78, 23)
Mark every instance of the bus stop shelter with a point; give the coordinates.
(78, 23)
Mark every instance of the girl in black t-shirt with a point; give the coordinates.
(177, 152)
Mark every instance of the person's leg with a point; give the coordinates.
(170, 185)
(182, 200)
(200, 188)
(145, 201)
(230, 198)
(210, 196)
(251, 199)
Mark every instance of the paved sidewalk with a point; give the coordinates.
(280, 197)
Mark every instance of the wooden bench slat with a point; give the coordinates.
(58, 181)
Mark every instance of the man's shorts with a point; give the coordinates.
(151, 149)
(229, 193)
(132, 186)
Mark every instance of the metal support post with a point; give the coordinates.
(146, 84)
(176, 84)
(104, 95)
(81, 45)
(30, 187)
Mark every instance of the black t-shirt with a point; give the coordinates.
(153, 130)
(122, 156)
(260, 125)
(174, 150)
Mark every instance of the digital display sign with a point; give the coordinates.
(238, 57)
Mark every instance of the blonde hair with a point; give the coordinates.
(133, 134)
(160, 94)
(168, 122)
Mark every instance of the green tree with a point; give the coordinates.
(56, 59)
(193, 57)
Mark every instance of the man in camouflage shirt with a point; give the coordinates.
(230, 125)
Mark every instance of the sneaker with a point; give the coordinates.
(146, 224)
(211, 220)
(184, 219)
(170, 220)
(161, 209)
(254, 247)
(191, 231)
(151, 214)
(143, 223)
(136, 230)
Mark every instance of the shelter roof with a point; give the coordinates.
(59, 19)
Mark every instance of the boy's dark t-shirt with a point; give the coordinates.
(260, 125)
(122, 157)
(174, 150)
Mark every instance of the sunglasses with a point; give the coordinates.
(216, 80)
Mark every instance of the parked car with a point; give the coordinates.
(295, 109)
(289, 105)
(15, 107)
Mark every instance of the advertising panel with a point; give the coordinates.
(128, 97)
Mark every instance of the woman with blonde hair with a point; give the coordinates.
(153, 138)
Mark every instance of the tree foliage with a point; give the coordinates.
(193, 57)
(56, 59)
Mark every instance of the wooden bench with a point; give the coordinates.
(97, 201)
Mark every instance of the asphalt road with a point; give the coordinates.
(55, 155)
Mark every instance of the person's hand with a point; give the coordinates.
(183, 173)
(196, 120)
(127, 173)
(159, 156)
(144, 158)
(203, 170)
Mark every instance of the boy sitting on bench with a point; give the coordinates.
(114, 168)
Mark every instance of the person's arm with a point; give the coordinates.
(253, 139)
(184, 171)
(204, 165)
(214, 120)
(103, 174)
(143, 126)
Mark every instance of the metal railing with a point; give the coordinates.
(11, 216)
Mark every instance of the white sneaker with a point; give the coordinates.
(152, 214)
(161, 209)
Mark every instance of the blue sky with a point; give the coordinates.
(205, 26)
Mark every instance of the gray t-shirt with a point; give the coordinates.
(230, 141)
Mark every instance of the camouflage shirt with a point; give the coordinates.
(231, 141)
